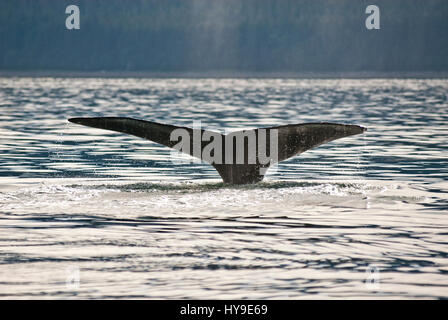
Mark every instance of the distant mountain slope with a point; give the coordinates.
(224, 35)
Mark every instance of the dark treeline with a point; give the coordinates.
(224, 35)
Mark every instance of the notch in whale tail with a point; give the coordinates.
(291, 140)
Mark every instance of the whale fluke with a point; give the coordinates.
(239, 157)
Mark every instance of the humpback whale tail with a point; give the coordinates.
(239, 157)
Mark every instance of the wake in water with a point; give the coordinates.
(304, 236)
(277, 196)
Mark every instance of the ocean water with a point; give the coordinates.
(89, 213)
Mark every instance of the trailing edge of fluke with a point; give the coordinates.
(240, 157)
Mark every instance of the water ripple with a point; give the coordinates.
(136, 225)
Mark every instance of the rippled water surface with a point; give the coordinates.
(360, 217)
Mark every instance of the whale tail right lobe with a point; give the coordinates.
(240, 157)
(276, 144)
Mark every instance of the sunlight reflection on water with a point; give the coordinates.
(136, 225)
